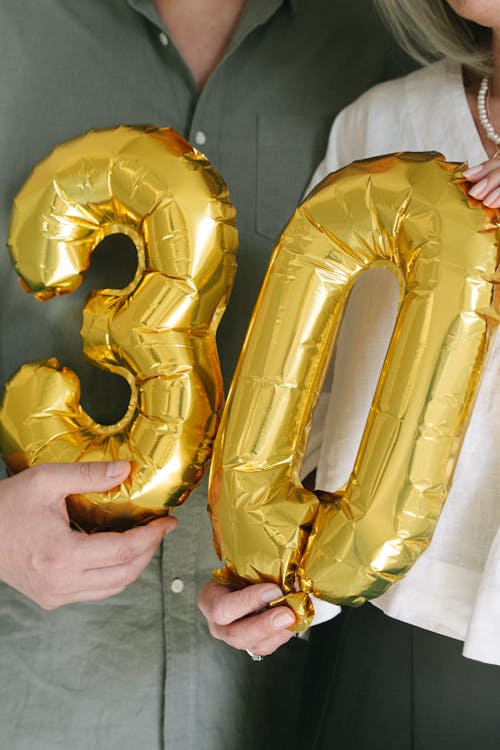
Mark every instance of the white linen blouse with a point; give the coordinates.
(454, 587)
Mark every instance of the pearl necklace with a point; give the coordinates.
(482, 108)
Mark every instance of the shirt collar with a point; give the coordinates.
(147, 8)
(256, 11)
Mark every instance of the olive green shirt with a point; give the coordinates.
(140, 670)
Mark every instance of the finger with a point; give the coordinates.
(60, 480)
(80, 596)
(485, 185)
(251, 632)
(115, 576)
(76, 582)
(222, 606)
(110, 548)
(479, 171)
(269, 646)
(492, 199)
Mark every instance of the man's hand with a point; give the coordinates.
(243, 620)
(41, 556)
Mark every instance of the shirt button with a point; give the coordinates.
(163, 38)
(200, 138)
(177, 585)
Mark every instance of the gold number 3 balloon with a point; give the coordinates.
(411, 213)
(158, 332)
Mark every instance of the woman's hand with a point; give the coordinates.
(486, 177)
(242, 618)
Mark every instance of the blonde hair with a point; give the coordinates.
(429, 30)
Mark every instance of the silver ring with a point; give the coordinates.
(255, 657)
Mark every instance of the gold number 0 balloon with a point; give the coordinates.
(411, 213)
(158, 332)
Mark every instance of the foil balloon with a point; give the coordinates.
(158, 332)
(409, 213)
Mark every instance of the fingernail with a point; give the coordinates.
(116, 468)
(270, 594)
(478, 189)
(283, 619)
(492, 197)
(471, 171)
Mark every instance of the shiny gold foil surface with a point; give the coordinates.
(158, 332)
(409, 213)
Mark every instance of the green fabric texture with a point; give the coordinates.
(141, 670)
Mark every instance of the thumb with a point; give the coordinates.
(224, 606)
(61, 480)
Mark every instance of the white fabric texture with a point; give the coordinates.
(454, 587)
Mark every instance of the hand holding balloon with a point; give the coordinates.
(242, 618)
(43, 558)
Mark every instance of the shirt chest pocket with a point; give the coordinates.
(289, 148)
